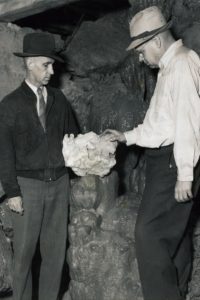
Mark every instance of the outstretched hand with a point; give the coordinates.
(183, 191)
(114, 135)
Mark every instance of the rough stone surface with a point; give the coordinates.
(194, 288)
(99, 44)
(17, 9)
(191, 37)
(5, 250)
(101, 254)
(1, 191)
(5, 264)
(79, 92)
(164, 5)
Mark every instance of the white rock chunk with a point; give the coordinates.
(89, 154)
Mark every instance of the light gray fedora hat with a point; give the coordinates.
(146, 24)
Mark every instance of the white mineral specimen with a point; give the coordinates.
(89, 154)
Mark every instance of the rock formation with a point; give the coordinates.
(89, 154)
(101, 253)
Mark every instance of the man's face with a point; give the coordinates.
(147, 54)
(41, 69)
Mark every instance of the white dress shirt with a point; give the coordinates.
(174, 112)
(34, 89)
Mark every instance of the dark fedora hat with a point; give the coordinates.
(39, 44)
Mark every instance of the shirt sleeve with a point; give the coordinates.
(131, 137)
(146, 134)
(154, 130)
(185, 94)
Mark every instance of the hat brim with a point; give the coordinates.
(54, 56)
(148, 36)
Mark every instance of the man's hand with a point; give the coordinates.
(183, 191)
(114, 135)
(15, 204)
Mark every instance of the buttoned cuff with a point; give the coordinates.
(131, 137)
(184, 175)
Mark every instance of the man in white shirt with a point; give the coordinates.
(171, 135)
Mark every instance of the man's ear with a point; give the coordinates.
(157, 41)
(30, 63)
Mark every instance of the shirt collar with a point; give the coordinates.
(34, 88)
(169, 54)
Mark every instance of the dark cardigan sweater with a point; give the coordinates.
(24, 146)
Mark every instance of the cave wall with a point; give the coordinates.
(107, 88)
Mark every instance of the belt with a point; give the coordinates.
(50, 174)
(159, 151)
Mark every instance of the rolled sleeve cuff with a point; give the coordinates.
(131, 137)
(185, 176)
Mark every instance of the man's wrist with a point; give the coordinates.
(130, 137)
(185, 178)
(123, 138)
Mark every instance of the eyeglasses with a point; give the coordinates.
(141, 48)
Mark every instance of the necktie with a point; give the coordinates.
(42, 107)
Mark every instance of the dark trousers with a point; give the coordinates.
(162, 243)
(45, 218)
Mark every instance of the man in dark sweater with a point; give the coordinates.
(33, 121)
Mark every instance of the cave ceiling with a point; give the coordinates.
(57, 16)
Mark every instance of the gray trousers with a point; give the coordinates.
(44, 219)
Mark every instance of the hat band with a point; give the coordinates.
(153, 32)
(39, 52)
